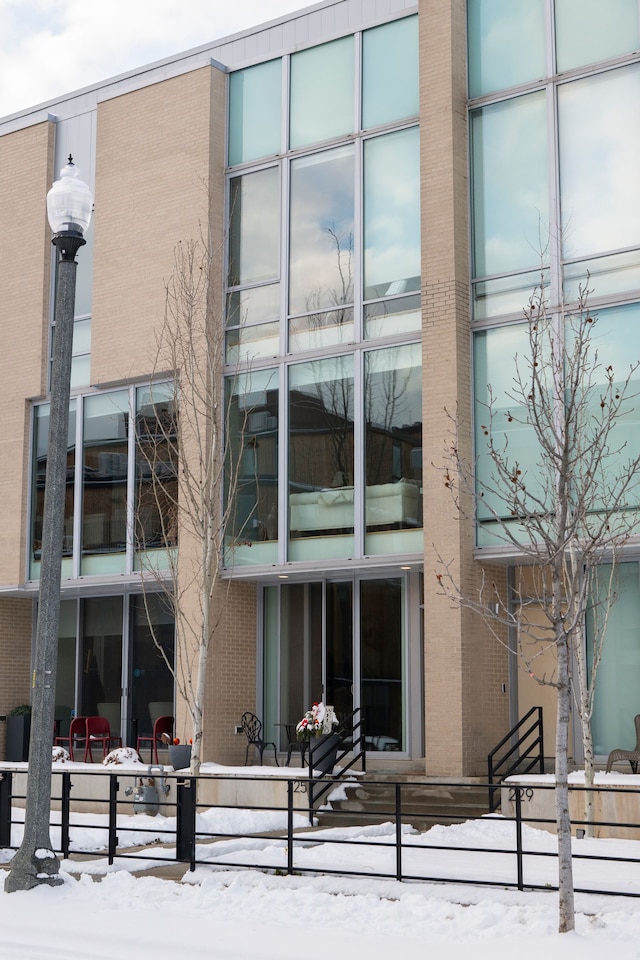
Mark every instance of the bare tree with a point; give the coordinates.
(562, 514)
(187, 476)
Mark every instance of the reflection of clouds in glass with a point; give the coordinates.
(599, 129)
(495, 363)
(321, 238)
(606, 30)
(255, 213)
(510, 184)
(391, 208)
(506, 43)
(616, 338)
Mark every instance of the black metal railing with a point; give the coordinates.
(525, 752)
(402, 853)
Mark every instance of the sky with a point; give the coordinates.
(52, 47)
(224, 913)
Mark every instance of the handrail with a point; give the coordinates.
(499, 770)
(352, 740)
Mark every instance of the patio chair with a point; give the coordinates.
(162, 725)
(77, 736)
(252, 728)
(633, 756)
(98, 731)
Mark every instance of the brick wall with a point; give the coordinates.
(26, 172)
(465, 667)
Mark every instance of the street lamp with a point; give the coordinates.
(69, 207)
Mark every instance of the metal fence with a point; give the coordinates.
(403, 853)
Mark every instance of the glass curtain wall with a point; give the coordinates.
(39, 469)
(555, 201)
(118, 487)
(324, 261)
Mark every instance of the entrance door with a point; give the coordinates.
(343, 642)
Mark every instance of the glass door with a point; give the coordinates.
(345, 642)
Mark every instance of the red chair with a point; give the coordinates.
(162, 725)
(77, 735)
(99, 731)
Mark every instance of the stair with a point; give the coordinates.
(423, 804)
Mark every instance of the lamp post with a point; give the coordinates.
(69, 207)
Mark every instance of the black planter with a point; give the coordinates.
(180, 755)
(18, 732)
(323, 751)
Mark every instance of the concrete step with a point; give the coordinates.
(422, 804)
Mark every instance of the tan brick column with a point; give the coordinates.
(466, 711)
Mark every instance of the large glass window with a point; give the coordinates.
(321, 490)
(500, 420)
(393, 418)
(391, 214)
(101, 659)
(156, 503)
(506, 43)
(251, 469)
(390, 72)
(321, 231)
(510, 185)
(590, 30)
(105, 472)
(254, 112)
(618, 676)
(322, 88)
(255, 227)
(599, 130)
(40, 448)
(152, 651)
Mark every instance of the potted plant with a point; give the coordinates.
(179, 753)
(18, 732)
(318, 727)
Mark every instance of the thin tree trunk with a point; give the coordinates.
(563, 821)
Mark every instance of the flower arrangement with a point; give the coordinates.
(320, 719)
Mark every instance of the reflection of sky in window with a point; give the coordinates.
(510, 193)
(495, 361)
(322, 81)
(391, 208)
(321, 240)
(599, 130)
(254, 242)
(590, 30)
(616, 338)
(506, 43)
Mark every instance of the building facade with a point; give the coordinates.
(382, 185)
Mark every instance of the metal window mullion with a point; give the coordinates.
(283, 465)
(131, 484)
(126, 671)
(78, 488)
(555, 226)
(550, 38)
(285, 219)
(359, 491)
(356, 618)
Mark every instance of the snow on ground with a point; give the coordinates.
(240, 914)
(225, 912)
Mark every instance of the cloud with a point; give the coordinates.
(49, 48)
